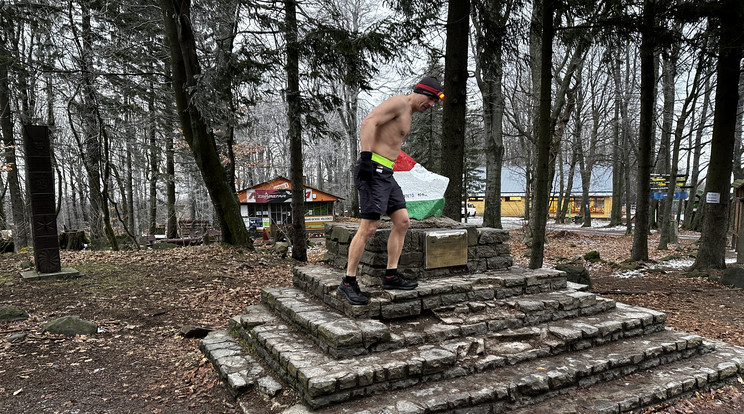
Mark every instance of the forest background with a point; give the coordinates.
(163, 111)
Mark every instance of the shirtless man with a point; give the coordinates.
(382, 135)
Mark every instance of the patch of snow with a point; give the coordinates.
(627, 274)
(677, 264)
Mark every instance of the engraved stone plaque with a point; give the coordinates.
(446, 248)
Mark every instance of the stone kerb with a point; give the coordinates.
(487, 250)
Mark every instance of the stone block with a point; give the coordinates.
(733, 276)
(341, 333)
(472, 235)
(70, 326)
(317, 386)
(374, 259)
(499, 263)
(378, 242)
(412, 242)
(488, 235)
(269, 387)
(342, 234)
(575, 274)
(400, 310)
(413, 259)
(11, 313)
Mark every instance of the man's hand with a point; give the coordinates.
(366, 166)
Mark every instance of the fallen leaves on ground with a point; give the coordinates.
(140, 300)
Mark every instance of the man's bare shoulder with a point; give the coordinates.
(395, 104)
(397, 100)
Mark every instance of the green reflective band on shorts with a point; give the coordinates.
(382, 160)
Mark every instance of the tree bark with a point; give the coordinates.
(152, 195)
(712, 253)
(171, 225)
(18, 205)
(639, 250)
(542, 186)
(490, 20)
(617, 150)
(454, 106)
(299, 246)
(186, 70)
(667, 231)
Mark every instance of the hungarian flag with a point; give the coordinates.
(423, 190)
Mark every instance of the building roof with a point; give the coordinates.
(284, 184)
(513, 181)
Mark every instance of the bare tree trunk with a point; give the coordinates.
(542, 188)
(561, 180)
(299, 246)
(563, 212)
(454, 106)
(186, 70)
(667, 231)
(696, 149)
(639, 250)
(171, 224)
(490, 20)
(106, 180)
(617, 149)
(17, 203)
(130, 193)
(152, 195)
(712, 251)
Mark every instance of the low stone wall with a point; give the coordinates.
(487, 249)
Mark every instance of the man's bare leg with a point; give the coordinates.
(401, 222)
(392, 280)
(366, 230)
(349, 287)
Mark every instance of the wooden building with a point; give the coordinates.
(513, 199)
(269, 204)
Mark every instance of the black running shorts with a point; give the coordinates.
(380, 195)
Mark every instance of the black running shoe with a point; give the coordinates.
(353, 294)
(397, 282)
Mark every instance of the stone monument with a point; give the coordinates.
(478, 335)
(40, 182)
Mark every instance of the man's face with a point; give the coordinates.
(427, 102)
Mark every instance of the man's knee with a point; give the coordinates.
(402, 223)
(368, 230)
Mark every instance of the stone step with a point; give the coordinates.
(240, 371)
(341, 336)
(651, 387)
(323, 380)
(531, 309)
(619, 377)
(322, 282)
(335, 333)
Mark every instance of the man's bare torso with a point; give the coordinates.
(392, 119)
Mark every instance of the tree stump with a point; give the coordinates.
(72, 240)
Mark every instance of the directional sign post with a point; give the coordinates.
(660, 186)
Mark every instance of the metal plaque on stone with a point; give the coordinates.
(40, 180)
(446, 248)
